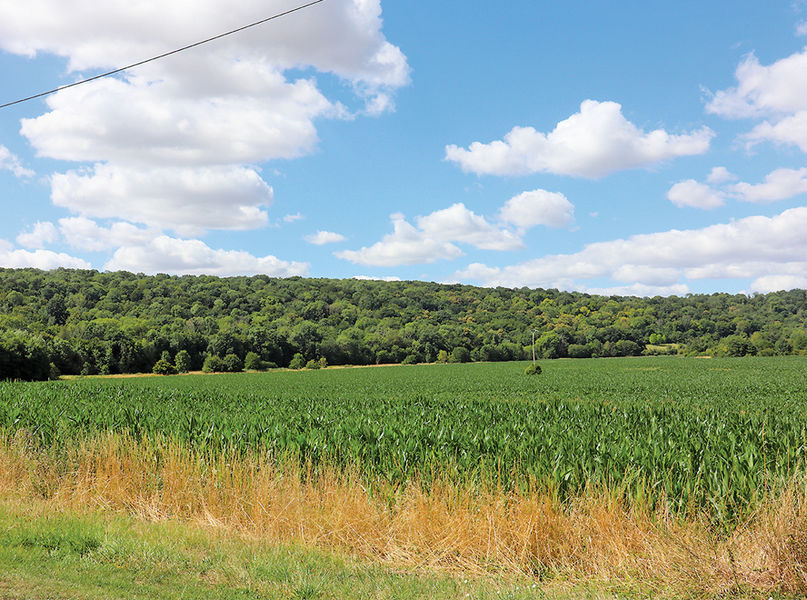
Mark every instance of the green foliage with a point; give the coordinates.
(56, 310)
(312, 364)
(22, 357)
(183, 361)
(89, 322)
(213, 364)
(297, 362)
(533, 369)
(579, 351)
(163, 367)
(460, 354)
(232, 363)
(735, 345)
(253, 362)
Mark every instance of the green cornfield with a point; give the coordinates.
(717, 435)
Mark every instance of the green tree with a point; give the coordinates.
(460, 354)
(183, 361)
(56, 310)
(297, 362)
(253, 362)
(163, 367)
(736, 345)
(232, 363)
(213, 364)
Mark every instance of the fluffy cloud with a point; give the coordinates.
(38, 259)
(435, 235)
(780, 184)
(720, 175)
(144, 123)
(459, 224)
(754, 247)
(404, 246)
(538, 207)
(172, 140)
(343, 38)
(86, 234)
(321, 238)
(776, 283)
(10, 162)
(40, 235)
(594, 142)
(762, 90)
(791, 130)
(776, 92)
(193, 257)
(696, 195)
(187, 200)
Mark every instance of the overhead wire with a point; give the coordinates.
(164, 55)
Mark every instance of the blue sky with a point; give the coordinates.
(631, 148)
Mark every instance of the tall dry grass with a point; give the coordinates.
(598, 536)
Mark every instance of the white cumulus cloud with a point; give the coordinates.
(435, 236)
(459, 224)
(776, 93)
(187, 200)
(321, 238)
(38, 259)
(752, 247)
(696, 195)
(406, 245)
(761, 90)
(592, 143)
(158, 134)
(776, 283)
(85, 234)
(193, 257)
(720, 175)
(138, 123)
(790, 130)
(39, 236)
(780, 184)
(538, 207)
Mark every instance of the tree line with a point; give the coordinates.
(87, 322)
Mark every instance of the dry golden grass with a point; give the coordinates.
(597, 537)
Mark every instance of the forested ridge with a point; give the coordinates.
(86, 322)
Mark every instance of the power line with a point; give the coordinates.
(153, 58)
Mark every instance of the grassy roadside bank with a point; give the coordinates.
(88, 555)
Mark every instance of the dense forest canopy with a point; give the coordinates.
(87, 322)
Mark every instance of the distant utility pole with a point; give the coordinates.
(533, 345)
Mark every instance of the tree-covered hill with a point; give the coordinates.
(78, 321)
